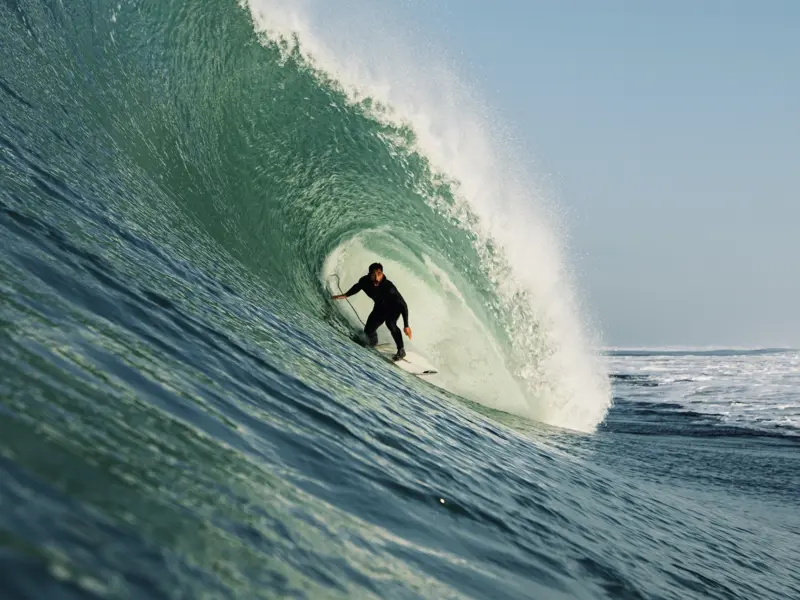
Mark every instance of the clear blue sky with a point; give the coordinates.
(672, 131)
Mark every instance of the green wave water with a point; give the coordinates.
(183, 412)
(225, 126)
(503, 323)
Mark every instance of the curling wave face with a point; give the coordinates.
(273, 157)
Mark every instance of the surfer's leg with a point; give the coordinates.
(391, 323)
(374, 321)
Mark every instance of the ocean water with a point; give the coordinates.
(184, 412)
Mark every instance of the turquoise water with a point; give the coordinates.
(185, 414)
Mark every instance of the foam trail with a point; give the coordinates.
(551, 351)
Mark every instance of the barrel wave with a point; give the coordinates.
(184, 411)
(223, 128)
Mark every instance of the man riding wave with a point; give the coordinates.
(389, 305)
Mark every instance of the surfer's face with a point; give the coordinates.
(376, 276)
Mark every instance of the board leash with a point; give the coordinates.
(338, 285)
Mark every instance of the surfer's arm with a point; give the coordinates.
(353, 290)
(404, 312)
(401, 302)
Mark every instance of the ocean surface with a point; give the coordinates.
(184, 413)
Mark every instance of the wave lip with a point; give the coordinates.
(475, 183)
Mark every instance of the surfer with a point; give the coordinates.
(389, 305)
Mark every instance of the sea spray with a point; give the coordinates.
(475, 183)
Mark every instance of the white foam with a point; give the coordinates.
(552, 354)
(758, 390)
(445, 330)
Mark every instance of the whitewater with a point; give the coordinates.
(550, 371)
(185, 413)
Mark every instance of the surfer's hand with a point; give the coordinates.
(408, 332)
(338, 297)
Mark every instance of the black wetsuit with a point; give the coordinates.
(389, 305)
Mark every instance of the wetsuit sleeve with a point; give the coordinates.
(401, 302)
(354, 290)
(405, 312)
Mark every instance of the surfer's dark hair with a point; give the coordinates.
(375, 266)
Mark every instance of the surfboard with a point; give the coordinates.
(413, 363)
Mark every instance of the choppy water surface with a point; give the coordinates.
(183, 412)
